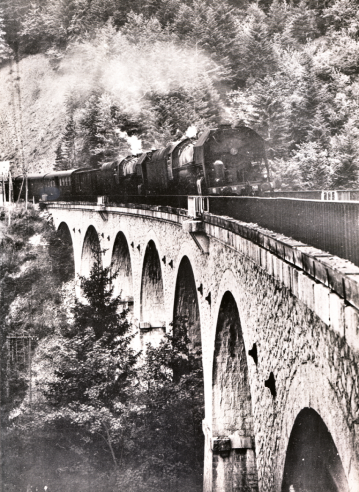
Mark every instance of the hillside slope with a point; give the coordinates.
(42, 109)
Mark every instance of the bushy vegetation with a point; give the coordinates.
(152, 68)
(101, 417)
(32, 267)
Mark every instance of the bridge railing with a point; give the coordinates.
(329, 226)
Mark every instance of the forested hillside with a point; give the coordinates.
(77, 74)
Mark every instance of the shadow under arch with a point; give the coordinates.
(121, 263)
(64, 251)
(186, 306)
(231, 404)
(312, 461)
(90, 251)
(152, 294)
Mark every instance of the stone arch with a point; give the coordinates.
(312, 461)
(90, 248)
(310, 388)
(186, 301)
(65, 250)
(152, 292)
(232, 420)
(121, 263)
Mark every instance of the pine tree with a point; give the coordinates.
(94, 376)
(254, 50)
(66, 152)
(210, 26)
(314, 166)
(301, 25)
(346, 150)
(308, 105)
(262, 106)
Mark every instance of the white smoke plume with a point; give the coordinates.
(191, 132)
(134, 142)
(128, 72)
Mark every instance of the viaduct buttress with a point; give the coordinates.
(278, 323)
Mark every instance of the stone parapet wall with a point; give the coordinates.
(327, 284)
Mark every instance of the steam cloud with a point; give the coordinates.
(134, 142)
(126, 73)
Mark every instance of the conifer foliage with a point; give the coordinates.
(99, 364)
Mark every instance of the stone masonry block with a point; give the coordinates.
(269, 266)
(352, 289)
(295, 281)
(231, 239)
(192, 225)
(306, 290)
(287, 274)
(351, 318)
(277, 268)
(263, 258)
(254, 253)
(245, 245)
(237, 243)
(321, 302)
(336, 313)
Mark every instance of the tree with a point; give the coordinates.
(262, 107)
(52, 24)
(179, 109)
(345, 148)
(254, 49)
(210, 26)
(309, 167)
(301, 25)
(66, 152)
(95, 373)
(167, 434)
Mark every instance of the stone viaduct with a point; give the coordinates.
(279, 328)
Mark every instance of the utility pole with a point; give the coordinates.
(10, 192)
(30, 375)
(26, 190)
(3, 190)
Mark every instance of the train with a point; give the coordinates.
(222, 161)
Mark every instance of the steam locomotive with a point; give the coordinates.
(222, 161)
